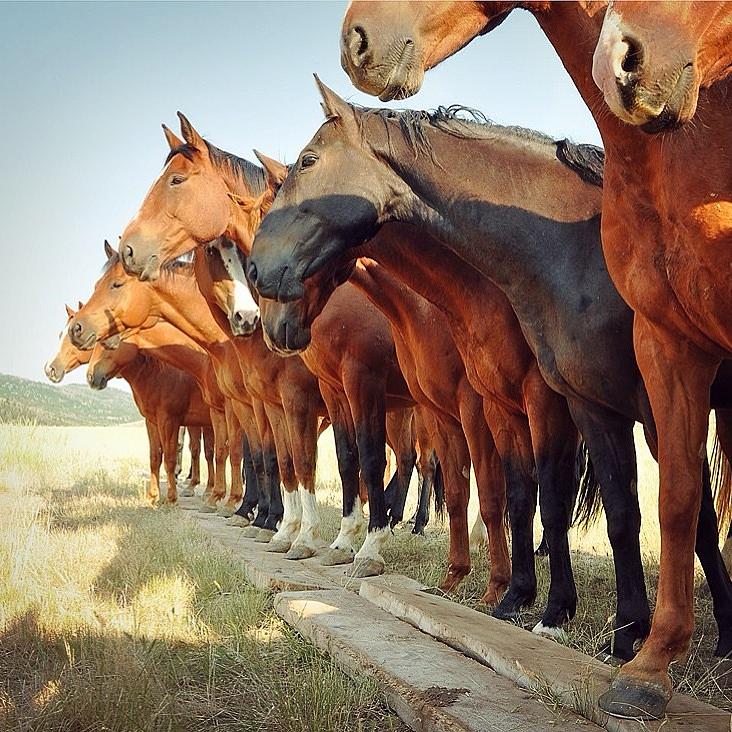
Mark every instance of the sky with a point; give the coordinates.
(85, 87)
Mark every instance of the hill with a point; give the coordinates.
(23, 400)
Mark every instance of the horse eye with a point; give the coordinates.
(176, 180)
(117, 285)
(308, 160)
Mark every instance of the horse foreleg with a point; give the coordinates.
(221, 437)
(156, 458)
(513, 443)
(343, 548)
(454, 457)
(235, 433)
(555, 442)
(302, 423)
(208, 453)
(169, 431)
(678, 378)
(491, 494)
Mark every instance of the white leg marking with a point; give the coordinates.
(290, 524)
(371, 548)
(351, 526)
(549, 632)
(310, 527)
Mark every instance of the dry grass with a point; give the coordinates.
(118, 617)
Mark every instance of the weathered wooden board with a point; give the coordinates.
(267, 570)
(431, 686)
(532, 662)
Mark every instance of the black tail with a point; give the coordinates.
(588, 505)
(439, 485)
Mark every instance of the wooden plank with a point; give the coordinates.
(432, 687)
(267, 570)
(532, 662)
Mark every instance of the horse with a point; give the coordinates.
(542, 250)
(651, 61)
(501, 368)
(666, 233)
(209, 211)
(68, 358)
(121, 304)
(167, 398)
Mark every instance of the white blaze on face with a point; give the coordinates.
(243, 306)
(607, 61)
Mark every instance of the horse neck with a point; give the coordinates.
(573, 29)
(185, 308)
(516, 247)
(397, 302)
(135, 372)
(429, 268)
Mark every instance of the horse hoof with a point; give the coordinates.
(300, 551)
(186, 492)
(366, 567)
(264, 536)
(334, 557)
(279, 546)
(225, 511)
(169, 503)
(238, 521)
(205, 508)
(251, 532)
(550, 631)
(629, 699)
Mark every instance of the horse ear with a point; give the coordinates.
(69, 312)
(108, 249)
(173, 140)
(332, 104)
(80, 305)
(190, 135)
(275, 170)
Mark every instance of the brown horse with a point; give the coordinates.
(122, 304)
(437, 380)
(196, 200)
(652, 59)
(666, 235)
(501, 368)
(167, 398)
(68, 358)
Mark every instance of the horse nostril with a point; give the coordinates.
(77, 329)
(129, 254)
(357, 43)
(633, 56)
(238, 317)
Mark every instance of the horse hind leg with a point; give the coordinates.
(156, 459)
(609, 439)
(427, 469)
(194, 478)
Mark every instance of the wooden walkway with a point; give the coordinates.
(464, 671)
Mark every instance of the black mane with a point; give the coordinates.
(468, 123)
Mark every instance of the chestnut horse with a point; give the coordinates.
(196, 200)
(68, 358)
(666, 235)
(652, 59)
(547, 259)
(167, 398)
(122, 304)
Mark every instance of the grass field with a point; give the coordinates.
(114, 616)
